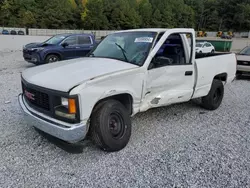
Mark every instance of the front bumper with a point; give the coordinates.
(32, 58)
(66, 132)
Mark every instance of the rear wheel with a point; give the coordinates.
(110, 126)
(214, 98)
(52, 58)
(212, 51)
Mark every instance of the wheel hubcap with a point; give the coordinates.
(116, 125)
(53, 59)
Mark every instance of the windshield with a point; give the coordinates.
(55, 39)
(245, 51)
(131, 47)
(198, 45)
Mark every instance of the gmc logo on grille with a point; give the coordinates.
(29, 95)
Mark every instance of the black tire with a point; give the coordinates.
(52, 58)
(214, 98)
(212, 51)
(110, 126)
(239, 74)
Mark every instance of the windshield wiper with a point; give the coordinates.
(123, 52)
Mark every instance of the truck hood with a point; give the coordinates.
(64, 75)
(37, 45)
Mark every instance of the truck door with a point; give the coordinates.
(85, 45)
(69, 51)
(170, 76)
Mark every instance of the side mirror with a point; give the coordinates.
(65, 44)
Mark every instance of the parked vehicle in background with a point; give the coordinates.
(13, 32)
(5, 32)
(201, 34)
(243, 61)
(204, 47)
(226, 36)
(58, 48)
(20, 32)
(122, 76)
(219, 33)
(230, 33)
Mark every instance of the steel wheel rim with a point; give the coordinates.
(116, 125)
(53, 59)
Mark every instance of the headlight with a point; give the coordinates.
(67, 108)
(65, 101)
(37, 49)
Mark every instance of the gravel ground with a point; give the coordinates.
(177, 146)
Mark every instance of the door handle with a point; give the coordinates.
(188, 73)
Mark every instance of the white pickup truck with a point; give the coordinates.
(128, 72)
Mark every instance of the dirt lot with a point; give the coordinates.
(177, 146)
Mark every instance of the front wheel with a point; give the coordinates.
(110, 126)
(52, 58)
(214, 98)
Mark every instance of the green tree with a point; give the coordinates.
(93, 17)
(156, 19)
(210, 15)
(145, 12)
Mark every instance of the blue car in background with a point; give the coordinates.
(59, 47)
(5, 32)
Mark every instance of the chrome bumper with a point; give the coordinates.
(72, 134)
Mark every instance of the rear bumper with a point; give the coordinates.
(243, 68)
(70, 133)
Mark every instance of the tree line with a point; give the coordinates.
(208, 15)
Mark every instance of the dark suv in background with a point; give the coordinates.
(59, 47)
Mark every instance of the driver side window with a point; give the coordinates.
(72, 40)
(172, 52)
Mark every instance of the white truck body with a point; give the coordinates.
(93, 79)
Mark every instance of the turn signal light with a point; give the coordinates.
(72, 106)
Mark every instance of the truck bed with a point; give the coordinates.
(208, 65)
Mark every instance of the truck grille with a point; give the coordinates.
(36, 98)
(246, 63)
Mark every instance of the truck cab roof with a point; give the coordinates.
(74, 34)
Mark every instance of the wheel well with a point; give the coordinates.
(222, 77)
(54, 54)
(126, 99)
